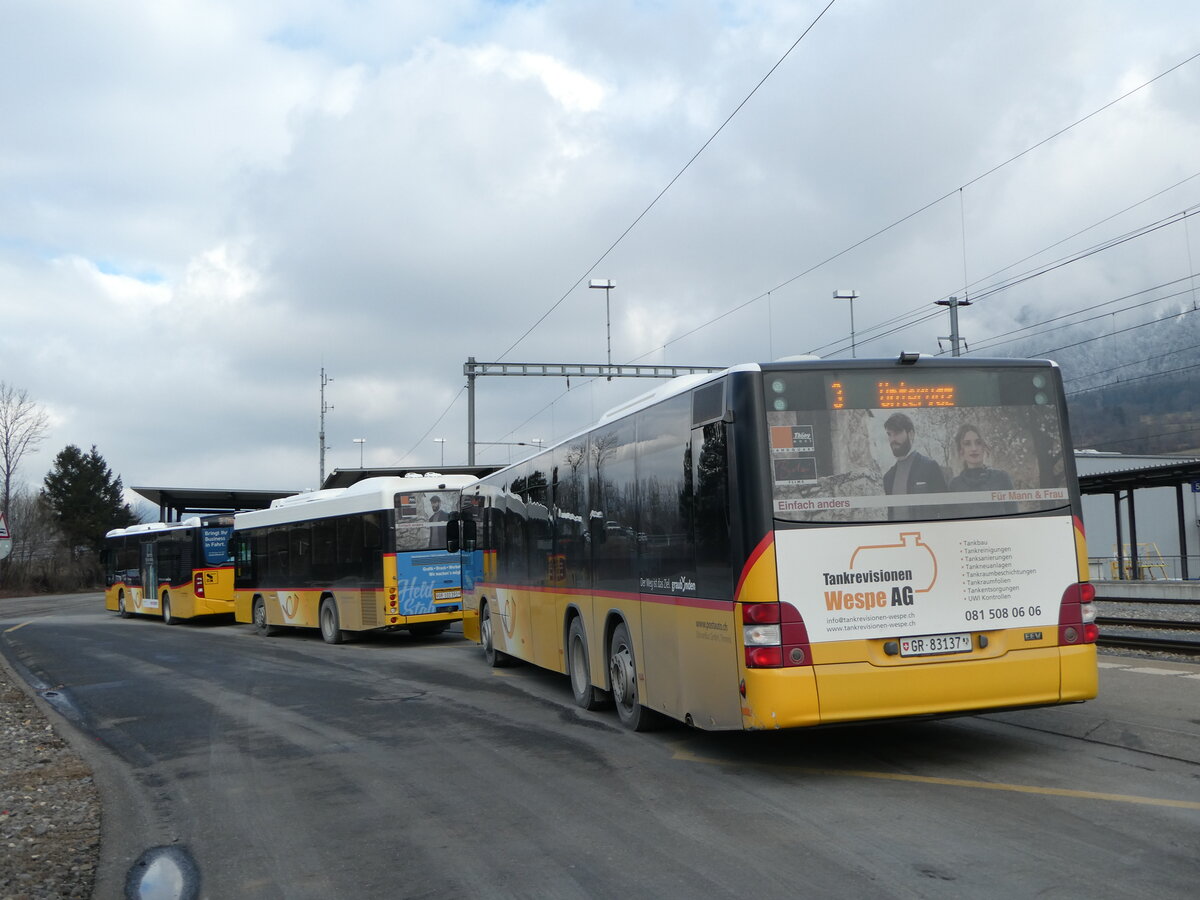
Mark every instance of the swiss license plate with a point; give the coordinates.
(933, 644)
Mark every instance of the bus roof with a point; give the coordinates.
(146, 527)
(368, 495)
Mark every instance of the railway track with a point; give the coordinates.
(1162, 635)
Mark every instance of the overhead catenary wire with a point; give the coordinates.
(923, 313)
(917, 315)
(921, 209)
(669, 185)
(437, 422)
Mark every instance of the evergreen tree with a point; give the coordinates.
(85, 497)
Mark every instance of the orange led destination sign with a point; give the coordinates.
(901, 395)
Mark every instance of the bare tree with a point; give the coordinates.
(23, 425)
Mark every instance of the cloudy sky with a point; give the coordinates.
(204, 202)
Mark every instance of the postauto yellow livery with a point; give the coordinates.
(368, 557)
(173, 570)
(796, 544)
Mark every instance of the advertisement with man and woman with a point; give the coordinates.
(912, 464)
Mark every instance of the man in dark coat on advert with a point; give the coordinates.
(913, 472)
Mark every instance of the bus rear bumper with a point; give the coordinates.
(854, 692)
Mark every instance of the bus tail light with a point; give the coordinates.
(774, 636)
(1077, 615)
(198, 585)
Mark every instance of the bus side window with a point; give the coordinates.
(665, 536)
(373, 547)
(324, 551)
(710, 509)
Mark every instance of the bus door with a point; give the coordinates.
(149, 575)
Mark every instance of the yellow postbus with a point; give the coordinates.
(798, 543)
(367, 557)
(173, 570)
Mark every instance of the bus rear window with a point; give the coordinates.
(910, 445)
(421, 518)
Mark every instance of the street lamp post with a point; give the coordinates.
(442, 441)
(360, 442)
(851, 296)
(607, 284)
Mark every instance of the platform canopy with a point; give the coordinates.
(1128, 482)
(1169, 474)
(176, 503)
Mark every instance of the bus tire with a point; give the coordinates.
(622, 670)
(331, 630)
(497, 659)
(121, 610)
(168, 619)
(259, 615)
(586, 696)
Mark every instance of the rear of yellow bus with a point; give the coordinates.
(926, 555)
(212, 573)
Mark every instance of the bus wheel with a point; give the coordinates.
(121, 610)
(495, 658)
(622, 669)
(259, 614)
(330, 626)
(586, 696)
(166, 611)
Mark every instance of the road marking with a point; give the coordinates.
(15, 627)
(688, 756)
(1147, 670)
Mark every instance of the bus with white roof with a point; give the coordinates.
(369, 557)
(173, 570)
(798, 543)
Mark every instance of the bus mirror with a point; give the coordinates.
(468, 535)
(452, 543)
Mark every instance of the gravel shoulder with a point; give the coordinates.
(49, 804)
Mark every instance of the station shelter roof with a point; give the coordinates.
(1166, 474)
(176, 503)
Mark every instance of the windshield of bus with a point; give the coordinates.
(905, 445)
(421, 518)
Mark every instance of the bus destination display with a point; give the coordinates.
(899, 395)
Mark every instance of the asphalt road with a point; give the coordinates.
(397, 767)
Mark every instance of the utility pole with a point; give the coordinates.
(954, 303)
(325, 379)
(469, 371)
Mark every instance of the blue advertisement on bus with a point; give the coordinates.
(216, 545)
(428, 582)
